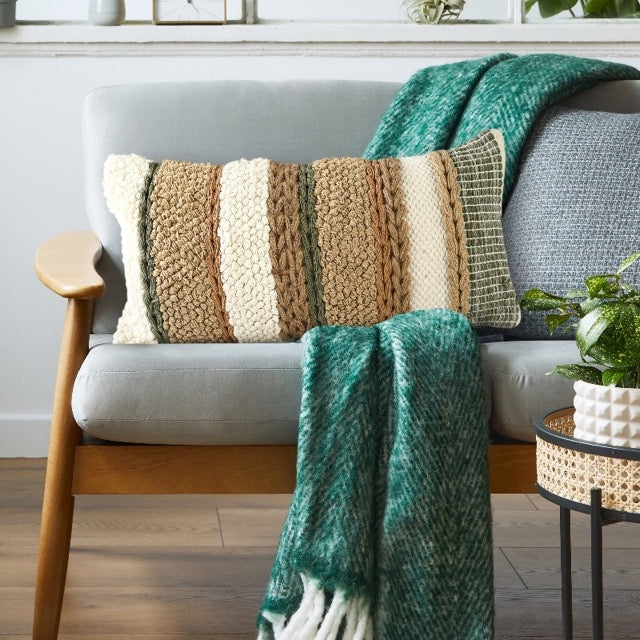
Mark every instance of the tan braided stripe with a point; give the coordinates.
(479, 166)
(397, 235)
(382, 247)
(455, 237)
(285, 249)
(346, 242)
(213, 258)
(180, 246)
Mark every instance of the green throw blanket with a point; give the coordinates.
(444, 106)
(389, 533)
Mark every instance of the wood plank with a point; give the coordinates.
(251, 527)
(184, 469)
(512, 468)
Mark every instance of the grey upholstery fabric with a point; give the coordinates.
(250, 393)
(575, 208)
(520, 389)
(226, 394)
(287, 121)
(190, 393)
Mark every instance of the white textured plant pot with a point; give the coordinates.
(106, 13)
(607, 415)
(7, 13)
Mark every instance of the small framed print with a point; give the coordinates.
(189, 11)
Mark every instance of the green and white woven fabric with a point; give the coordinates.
(389, 532)
(444, 106)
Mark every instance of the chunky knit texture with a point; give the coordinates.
(255, 250)
(389, 530)
(444, 106)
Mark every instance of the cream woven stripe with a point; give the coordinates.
(124, 182)
(245, 265)
(428, 262)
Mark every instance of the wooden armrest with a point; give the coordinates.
(66, 264)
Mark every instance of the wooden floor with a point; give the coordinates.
(159, 568)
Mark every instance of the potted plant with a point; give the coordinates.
(588, 8)
(606, 317)
(433, 11)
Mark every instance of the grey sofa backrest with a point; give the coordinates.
(287, 121)
(220, 121)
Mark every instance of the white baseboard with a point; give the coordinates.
(24, 435)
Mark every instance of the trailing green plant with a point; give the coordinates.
(589, 8)
(606, 318)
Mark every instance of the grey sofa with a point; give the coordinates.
(155, 394)
(233, 407)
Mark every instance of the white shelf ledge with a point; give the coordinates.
(614, 38)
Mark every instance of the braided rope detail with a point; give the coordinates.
(213, 259)
(382, 247)
(285, 250)
(457, 254)
(398, 234)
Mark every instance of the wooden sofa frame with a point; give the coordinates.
(66, 265)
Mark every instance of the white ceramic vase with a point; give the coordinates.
(7, 13)
(106, 12)
(607, 415)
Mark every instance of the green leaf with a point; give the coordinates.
(580, 372)
(602, 285)
(592, 326)
(572, 294)
(630, 322)
(539, 300)
(628, 261)
(596, 6)
(528, 5)
(613, 377)
(549, 8)
(589, 305)
(555, 320)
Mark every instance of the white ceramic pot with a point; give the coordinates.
(106, 12)
(607, 415)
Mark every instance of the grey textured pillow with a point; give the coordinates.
(575, 207)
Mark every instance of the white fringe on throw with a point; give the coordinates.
(311, 622)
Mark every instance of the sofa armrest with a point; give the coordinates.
(66, 264)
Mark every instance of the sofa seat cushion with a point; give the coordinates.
(250, 393)
(190, 393)
(518, 385)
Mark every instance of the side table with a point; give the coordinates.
(600, 480)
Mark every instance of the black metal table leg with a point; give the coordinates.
(596, 564)
(565, 572)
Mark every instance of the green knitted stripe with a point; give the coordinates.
(310, 249)
(146, 249)
(480, 180)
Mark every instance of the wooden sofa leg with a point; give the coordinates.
(57, 509)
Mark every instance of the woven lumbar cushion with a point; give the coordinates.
(256, 250)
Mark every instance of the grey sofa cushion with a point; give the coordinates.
(575, 207)
(190, 393)
(520, 389)
(250, 393)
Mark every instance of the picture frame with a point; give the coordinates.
(177, 12)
